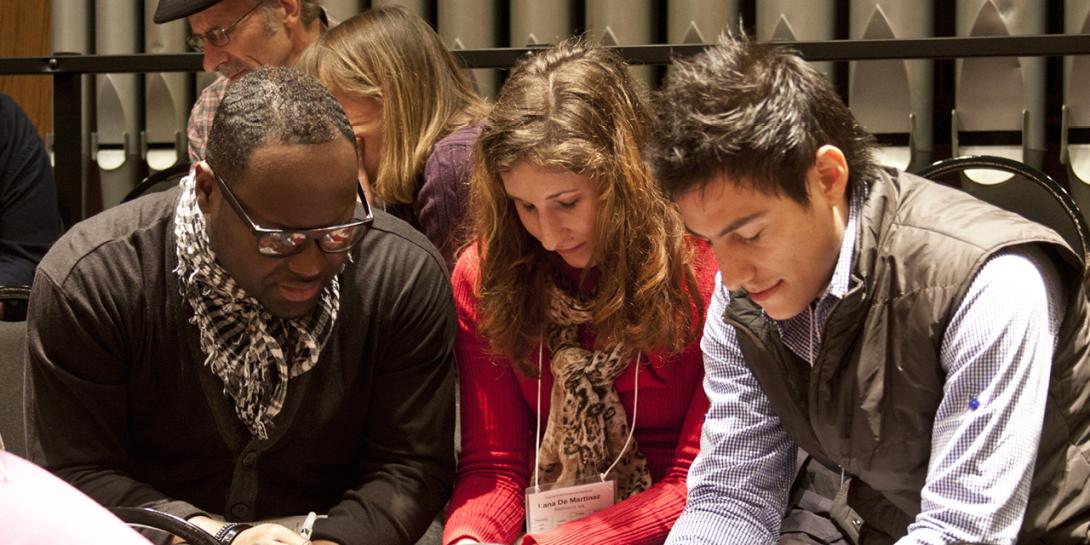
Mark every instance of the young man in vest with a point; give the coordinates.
(237, 36)
(928, 347)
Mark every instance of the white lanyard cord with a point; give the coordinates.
(632, 428)
(537, 412)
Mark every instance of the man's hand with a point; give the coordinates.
(269, 534)
(262, 534)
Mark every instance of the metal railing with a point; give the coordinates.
(68, 69)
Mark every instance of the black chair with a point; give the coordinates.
(163, 523)
(1027, 192)
(12, 348)
(14, 300)
(160, 181)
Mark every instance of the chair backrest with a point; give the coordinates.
(12, 349)
(1023, 190)
(160, 181)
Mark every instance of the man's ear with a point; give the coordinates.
(831, 172)
(205, 182)
(292, 12)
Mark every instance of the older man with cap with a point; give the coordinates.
(237, 36)
(252, 345)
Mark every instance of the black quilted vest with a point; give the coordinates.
(868, 403)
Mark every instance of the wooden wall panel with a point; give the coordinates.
(25, 28)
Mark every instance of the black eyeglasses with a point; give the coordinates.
(286, 242)
(218, 37)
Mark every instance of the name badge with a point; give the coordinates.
(548, 508)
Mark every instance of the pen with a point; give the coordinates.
(308, 525)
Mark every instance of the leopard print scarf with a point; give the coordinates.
(253, 352)
(587, 426)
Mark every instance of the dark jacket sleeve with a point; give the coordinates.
(29, 218)
(77, 401)
(408, 446)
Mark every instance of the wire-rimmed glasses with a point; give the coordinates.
(220, 36)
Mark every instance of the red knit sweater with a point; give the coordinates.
(497, 409)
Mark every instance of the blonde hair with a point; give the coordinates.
(392, 54)
(575, 107)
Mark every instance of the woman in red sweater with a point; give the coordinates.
(579, 268)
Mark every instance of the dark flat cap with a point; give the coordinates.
(169, 10)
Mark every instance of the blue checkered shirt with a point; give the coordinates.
(986, 430)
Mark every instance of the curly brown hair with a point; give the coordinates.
(575, 107)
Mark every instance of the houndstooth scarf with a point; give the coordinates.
(253, 352)
(587, 426)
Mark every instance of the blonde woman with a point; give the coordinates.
(578, 269)
(414, 113)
